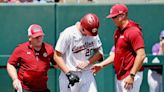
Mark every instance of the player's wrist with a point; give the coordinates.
(15, 79)
(132, 75)
(101, 65)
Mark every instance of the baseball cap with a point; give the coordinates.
(117, 9)
(162, 34)
(35, 30)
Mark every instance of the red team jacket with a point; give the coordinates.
(33, 65)
(127, 41)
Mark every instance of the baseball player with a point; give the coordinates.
(155, 72)
(129, 51)
(33, 58)
(77, 48)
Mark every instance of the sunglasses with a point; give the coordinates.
(115, 17)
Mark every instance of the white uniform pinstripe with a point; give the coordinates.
(77, 48)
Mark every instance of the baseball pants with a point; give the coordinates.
(154, 81)
(136, 85)
(86, 83)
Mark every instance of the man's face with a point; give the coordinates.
(37, 41)
(118, 19)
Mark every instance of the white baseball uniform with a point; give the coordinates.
(77, 48)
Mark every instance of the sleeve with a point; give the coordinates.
(63, 42)
(15, 57)
(52, 59)
(51, 55)
(136, 39)
(98, 42)
(112, 50)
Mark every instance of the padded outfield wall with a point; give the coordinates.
(54, 18)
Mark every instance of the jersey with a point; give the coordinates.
(34, 65)
(127, 41)
(75, 47)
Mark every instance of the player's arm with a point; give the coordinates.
(12, 62)
(140, 55)
(13, 74)
(73, 78)
(99, 66)
(108, 61)
(98, 55)
(136, 67)
(12, 71)
(60, 61)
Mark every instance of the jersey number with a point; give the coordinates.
(88, 52)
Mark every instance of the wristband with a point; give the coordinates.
(132, 75)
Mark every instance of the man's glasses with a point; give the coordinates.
(114, 17)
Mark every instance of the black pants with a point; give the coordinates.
(24, 90)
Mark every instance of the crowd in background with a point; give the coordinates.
(82, 1)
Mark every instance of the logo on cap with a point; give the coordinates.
(94, 30)
(35, 30)
(45, 54)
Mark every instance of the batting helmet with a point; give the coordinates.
(117, 9)
(90, 22)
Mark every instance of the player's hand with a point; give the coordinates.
(82, 65)
(73, 78)
(17, 84)
(96, 67)
(128, 82)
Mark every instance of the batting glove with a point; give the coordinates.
(73, 78)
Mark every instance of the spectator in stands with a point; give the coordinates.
(33, 58)
(155, 73)
(30, 1)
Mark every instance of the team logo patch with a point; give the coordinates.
(121, 36)
(45, 54)
(28, 53)
(120, 11)
(36, 29)
(94, 30)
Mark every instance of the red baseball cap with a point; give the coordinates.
(117, 9)
(35, 30)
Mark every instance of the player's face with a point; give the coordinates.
(37, 41)
(118, 19)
